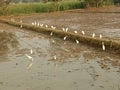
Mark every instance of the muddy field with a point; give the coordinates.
(59, 64)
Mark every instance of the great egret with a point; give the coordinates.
(75, 32)
(54, 57)
(53, 27)
(93, 35)
(77, 41)
(46, 26)
(38, 24)
(103, 46)
(63, 29)
(31, 51)
(66, 29)
(51, 33)
(41, 25)
(100, 36)
(83, 32)
(30, 65)
(65, 37)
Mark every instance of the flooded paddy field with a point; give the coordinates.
(56, 64)
(35, 61)
(105, 21)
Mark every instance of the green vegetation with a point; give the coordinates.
(42, 7)
(53, 5)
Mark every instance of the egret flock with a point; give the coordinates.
(64, 38)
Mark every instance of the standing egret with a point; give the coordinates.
(77, 41)
(103, 46)
(46, 26)
(66, 29)
(54, 57)
(75, 32)
(33, 23)
(93, 35)
(38, 24)
(41, 25)
(83, 32)
(51, 33)
(21, 26)
(100, 36)
(31, 51)
(53, 27)
(65, 37)
(63, 29)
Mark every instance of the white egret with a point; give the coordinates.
(54, 57)
(83, 32)
(41, 25)
(100, 36)
(75, 32)
(66, 29)
(51, 33)
(65, 37)
(53, 27)
(46, 26)
(29, 57)
(38, 24)
(30, 65)
(21, 26)
(103, 46)
(63, 29)
(31, 51)
(33, 23)
(93, 35)
(77, 41)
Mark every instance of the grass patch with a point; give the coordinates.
(25, 8)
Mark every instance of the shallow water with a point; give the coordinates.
(76, 67)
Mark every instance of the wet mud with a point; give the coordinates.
(57, 64)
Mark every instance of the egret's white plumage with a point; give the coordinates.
(28, 56)
(63, 29)
(31, 51)
(103, 46)
(66, 29)
(65, 37)
(75, 32)
(53, 27)
(54, 57)
(38, 24)
(46, 26)
(93, 35)
(77, 41)
(83, 32)
(33, 23)
(51, 33)
(100, 36)
(41, 25)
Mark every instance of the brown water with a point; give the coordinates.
(77, 67)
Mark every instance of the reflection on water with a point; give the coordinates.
(8, 41)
